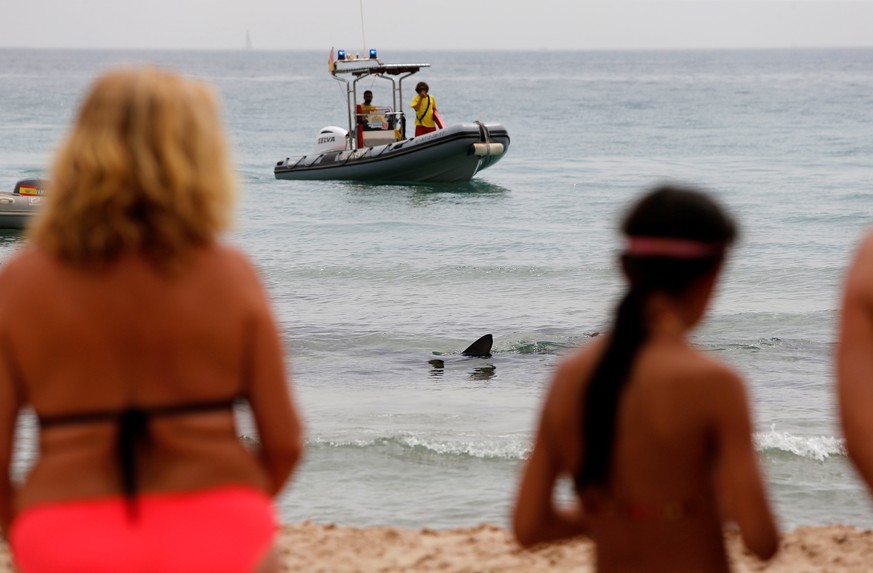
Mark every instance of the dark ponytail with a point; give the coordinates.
(667, 212)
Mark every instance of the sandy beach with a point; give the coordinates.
(320, 548)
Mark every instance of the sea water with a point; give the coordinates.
(369, 282)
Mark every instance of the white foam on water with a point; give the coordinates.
(818, 448)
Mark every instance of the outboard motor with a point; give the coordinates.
(331, 138)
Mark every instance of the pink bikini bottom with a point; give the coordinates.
(222, 530)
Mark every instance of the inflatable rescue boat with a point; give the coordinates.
(374, 147)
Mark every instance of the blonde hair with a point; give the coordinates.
(145, 169)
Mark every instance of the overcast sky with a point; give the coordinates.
(435, 24)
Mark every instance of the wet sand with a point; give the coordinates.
(320, 548)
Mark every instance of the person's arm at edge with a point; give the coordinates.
(536, 518)
(855, 362)
(11, 402)
(280, 430)
(743, 490)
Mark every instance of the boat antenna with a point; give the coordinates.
(363, 38)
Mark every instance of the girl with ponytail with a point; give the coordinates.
(655, 435)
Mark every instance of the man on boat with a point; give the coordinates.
(425, 108)
(363, 110)
(362, 113)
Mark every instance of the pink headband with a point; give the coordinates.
(675, 248)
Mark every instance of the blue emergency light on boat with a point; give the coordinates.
(372, 53)
(341, 54)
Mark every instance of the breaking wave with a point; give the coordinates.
(817, 448)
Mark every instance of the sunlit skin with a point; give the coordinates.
(141, 305)
(855, 361)
(684, 436)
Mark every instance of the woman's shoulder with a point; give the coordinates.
(859, 281)
(867, 241)
(230, 258)
(28, 263)
(229, 252)
(228, 265)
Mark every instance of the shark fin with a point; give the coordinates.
(481, 348)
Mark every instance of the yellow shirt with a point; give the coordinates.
(423, 117)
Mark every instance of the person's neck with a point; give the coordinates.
(666, 319)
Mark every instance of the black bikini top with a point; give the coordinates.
(133, 430)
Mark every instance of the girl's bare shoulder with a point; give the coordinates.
(706, 378)
(705, 366)
(573, 371)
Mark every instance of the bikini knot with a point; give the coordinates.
(132, 432)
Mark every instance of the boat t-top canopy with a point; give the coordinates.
(360, 68)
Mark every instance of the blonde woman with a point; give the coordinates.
(131, 331)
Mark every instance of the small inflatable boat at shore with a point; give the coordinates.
(18, 207)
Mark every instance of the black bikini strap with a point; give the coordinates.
(133, 432)
(158, 411)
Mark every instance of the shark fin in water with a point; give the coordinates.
(481, 348)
